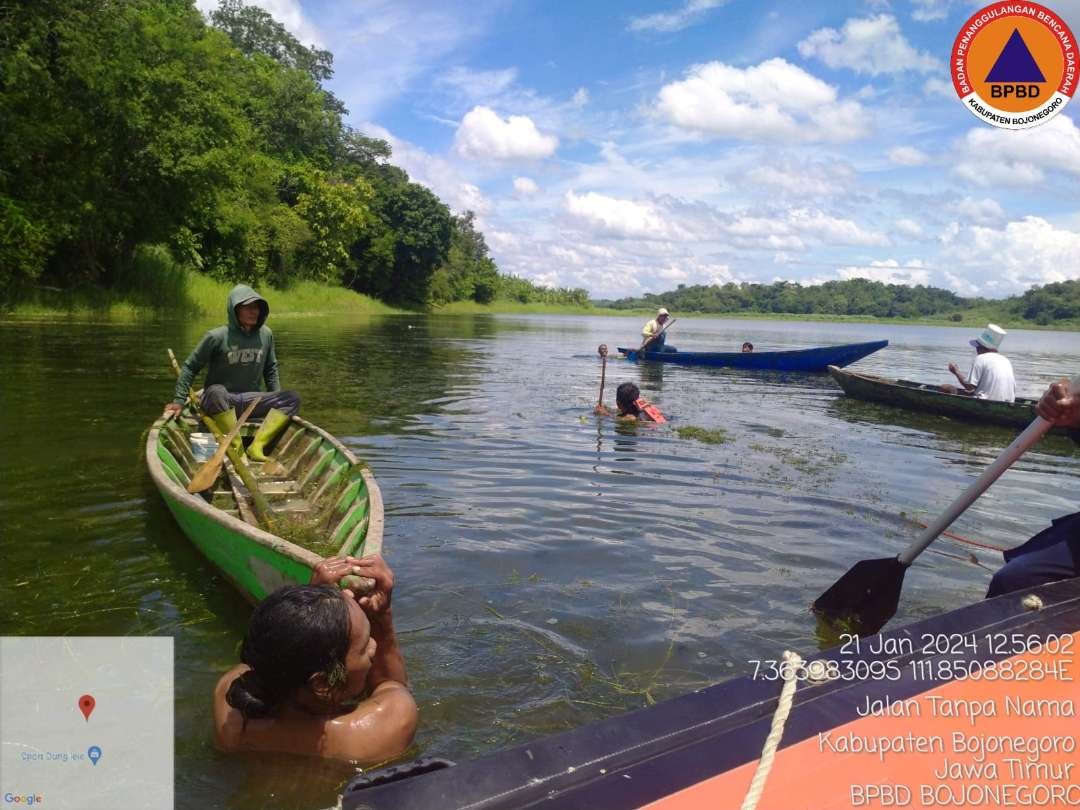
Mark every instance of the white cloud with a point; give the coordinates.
(480, 84)
(889, 271)
(909, 227)
(440, 175)
(930, 10)
(689, 13)
(525, 186)
(939, 87)
(774, 100)
(581, 97)
(801, 179)
(872, 45)
(618, 217)
(907, 156)
(1008, 260)
(483, 135)
(989, 156)
(384, 49)
(979, 212)
(833, 230)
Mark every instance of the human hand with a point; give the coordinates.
(331, 570)
(172, 409)
(1059, 405)
(954, 369)
(377, 601)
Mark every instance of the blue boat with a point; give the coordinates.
(816, 359)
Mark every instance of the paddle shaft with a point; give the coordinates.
(651, 338)
(208, 472)
(1032, 433)
(262, 506)
(603, 375)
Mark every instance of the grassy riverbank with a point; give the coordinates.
(159, 288)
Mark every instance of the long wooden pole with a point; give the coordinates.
(263, 511)
(602, 351)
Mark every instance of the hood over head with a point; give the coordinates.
(243, 294)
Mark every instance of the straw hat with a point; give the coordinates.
(662, 311)
(990, 338)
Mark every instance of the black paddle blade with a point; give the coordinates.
(864, 598)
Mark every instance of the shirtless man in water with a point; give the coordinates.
(321, 674)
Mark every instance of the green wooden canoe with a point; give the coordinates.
(929, 398)
(325, 503)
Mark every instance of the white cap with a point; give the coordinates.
(662, 311)
(990, 338)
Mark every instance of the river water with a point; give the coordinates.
(553, 567)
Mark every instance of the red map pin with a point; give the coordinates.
(86, 706)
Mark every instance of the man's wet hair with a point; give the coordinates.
(625, 395)
(296, 632)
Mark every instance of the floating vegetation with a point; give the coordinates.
(714, 436)
(775, 432)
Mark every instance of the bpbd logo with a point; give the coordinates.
(1014, 65)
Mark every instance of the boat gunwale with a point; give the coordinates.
(777, 353)
(372, 540)
(927, 388)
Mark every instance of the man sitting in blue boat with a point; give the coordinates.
(1053, 553)
(240, 358)
(655, 335)
(322, 674)
(991, 376)
(632, 406)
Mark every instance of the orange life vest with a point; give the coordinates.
(650, 410)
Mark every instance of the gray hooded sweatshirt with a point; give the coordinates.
(238, 360)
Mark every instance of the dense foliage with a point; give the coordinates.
(137, 122)
(1044, 305)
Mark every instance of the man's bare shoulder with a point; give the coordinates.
(379, 728)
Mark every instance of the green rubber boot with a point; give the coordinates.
(273, 423)
(226, 421)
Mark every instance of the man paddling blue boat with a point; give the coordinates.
(240, 359)
(655, 333)
(1054, 553)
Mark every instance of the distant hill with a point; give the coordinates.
(1051, 304)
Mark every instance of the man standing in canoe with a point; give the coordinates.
(654, 334)
(991, 376)
(239, 358)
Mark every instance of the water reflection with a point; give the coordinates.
(553, 567)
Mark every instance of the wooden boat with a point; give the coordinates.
(945, 695)
(931, 399)
(325, 503)
(816, 359)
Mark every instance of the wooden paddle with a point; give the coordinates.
(602, 351)
(207, 474)
(263, 510)
(867, 596)
(651, 338)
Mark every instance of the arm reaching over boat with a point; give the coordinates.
(322, 673)
(1054, 553)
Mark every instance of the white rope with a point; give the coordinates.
(789, 670)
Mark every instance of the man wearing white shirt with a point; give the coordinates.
(991, 376)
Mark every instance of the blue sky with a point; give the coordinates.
(629, 147)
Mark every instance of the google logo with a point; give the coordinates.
(29, 799)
